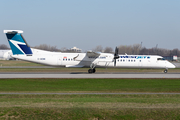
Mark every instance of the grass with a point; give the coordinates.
(89, 114)
(91, 101)
(90, 85)
(17, 63)
(90, 107)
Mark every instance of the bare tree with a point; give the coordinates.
(136, 49)
(98, 48)
(123, 49)
(48, 48)
(4, 47)
(108, 50)
(163, 52)
(144, 51)
(175, 52)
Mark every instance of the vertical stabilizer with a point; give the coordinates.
(17, 42)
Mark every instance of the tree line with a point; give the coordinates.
(135, 49)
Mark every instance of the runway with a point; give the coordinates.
(89, 93)
(85, 75)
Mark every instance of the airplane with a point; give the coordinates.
(21, 50)
(6, 55)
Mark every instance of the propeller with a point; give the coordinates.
(116, 56)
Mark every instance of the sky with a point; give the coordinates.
(89, 23)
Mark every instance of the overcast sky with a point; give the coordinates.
(89, 23)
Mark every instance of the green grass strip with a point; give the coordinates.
(136, 99)
(89, 114)
(91, 85)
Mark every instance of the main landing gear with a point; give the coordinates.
(92, 68)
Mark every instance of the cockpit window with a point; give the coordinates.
(161, 59)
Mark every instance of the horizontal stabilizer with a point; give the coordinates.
(13, 31)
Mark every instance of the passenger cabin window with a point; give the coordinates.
(161, 59)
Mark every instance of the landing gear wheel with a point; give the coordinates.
(165, 71)
(91, 70)
(94, 70)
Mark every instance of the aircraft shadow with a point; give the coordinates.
(78, 73)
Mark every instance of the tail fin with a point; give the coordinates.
(17, 42)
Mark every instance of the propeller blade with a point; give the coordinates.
(116, 56)
(115, 62)
(117, 51)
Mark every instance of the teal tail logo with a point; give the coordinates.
(17, 42)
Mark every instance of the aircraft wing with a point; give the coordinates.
(89, 54)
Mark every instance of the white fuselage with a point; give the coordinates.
(104, 60)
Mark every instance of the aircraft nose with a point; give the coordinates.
(170, 65)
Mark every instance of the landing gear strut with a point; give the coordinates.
(92, 68)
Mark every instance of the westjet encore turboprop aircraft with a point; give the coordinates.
(21, 50)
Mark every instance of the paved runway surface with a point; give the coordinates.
(90, 93)
(83, 75)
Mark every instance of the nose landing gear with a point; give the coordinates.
(166, 70)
